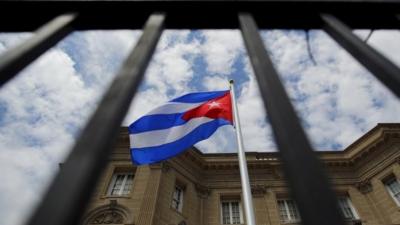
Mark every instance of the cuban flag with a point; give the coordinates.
(177, 125)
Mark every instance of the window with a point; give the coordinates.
(347, 208)
(121, 184)
(288, 211)
(393, 187)
(231, 212)
(177, 199)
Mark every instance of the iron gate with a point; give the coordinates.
(69, 192)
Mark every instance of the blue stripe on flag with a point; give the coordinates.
(199, 96)
(155, 154)
(156, 122)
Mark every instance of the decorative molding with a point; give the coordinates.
(108, 217)
(155, 166)
(364, 186)
(277, 173)
(165, 166)
(111, 213)
(193, 157)
(258, 190)
(380, 143)
(123, 138)
(113, 203)
(397, 159)
(202, 191)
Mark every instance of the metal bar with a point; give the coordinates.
(306, 177)
(69, 193)
(189, 14)
(383, 69)
(244, 174)
(17, 58)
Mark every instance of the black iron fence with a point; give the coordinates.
(68, 194)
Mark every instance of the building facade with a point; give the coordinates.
(204, 189)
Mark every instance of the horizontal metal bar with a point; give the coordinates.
(17, 58)
(189, 14)
(69, 193)
(386, 71)
(285, 1)
(307, 179)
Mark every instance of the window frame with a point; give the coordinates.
(179, 207)
(231, 211)
(114, 179)
(285, 200)
(388, 180)
(352, 209)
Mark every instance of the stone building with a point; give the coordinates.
(204, 189)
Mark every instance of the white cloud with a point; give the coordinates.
(44, 107)
(168, 74)
(99, 54)
(212, 83)
(338, 98)
(221, 49)
(40, 103)
(256, 132)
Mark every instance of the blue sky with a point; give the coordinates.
(44, 109)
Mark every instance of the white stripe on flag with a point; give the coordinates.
(165, 136)
(173, 107)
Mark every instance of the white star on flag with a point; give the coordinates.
(214, 104)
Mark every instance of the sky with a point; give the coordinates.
(43, 110)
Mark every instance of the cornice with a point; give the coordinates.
(384, 138)
(123, 137)
(372, 169)
(369, 143)
(370, 133)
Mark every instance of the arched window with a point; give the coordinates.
(108, 217)
(112, 213)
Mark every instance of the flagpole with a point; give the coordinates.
(244, 175)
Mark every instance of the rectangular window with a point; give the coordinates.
(347, 208)
(177, 199)
(288, 211)
(393, 187)
(231, 212)
(121, 184)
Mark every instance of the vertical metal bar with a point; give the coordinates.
(306, 177)
(17, 58)
(67, 197)
(386, 71)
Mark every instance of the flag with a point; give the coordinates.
(177, 125)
